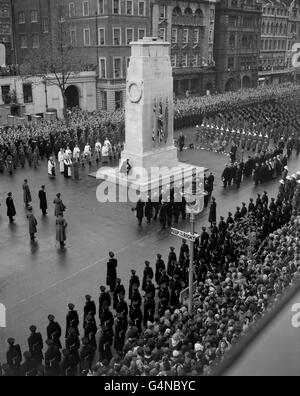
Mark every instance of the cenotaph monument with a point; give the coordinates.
(149, 117)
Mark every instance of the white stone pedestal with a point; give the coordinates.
(149, 122)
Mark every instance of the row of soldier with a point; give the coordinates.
(128, 320)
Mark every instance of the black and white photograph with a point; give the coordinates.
(149, 191)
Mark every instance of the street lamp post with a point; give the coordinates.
(195, 205)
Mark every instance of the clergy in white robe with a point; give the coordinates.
(61, 157)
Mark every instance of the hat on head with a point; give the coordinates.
(51, 317)
(32, 328)
(71, 306)
(11, 341)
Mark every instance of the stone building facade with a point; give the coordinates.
(189, 26)
(237, 44)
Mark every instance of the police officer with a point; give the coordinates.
(35, 344)
(72, 319)
(14, 357)
(54, 331)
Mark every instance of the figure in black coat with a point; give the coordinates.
(54, 331)
(134, 280)
(43, 200)
(105, 344)
(213, 212)
(171, 261)
(104, 297)
(89, 309)
(111, 275)
(72, 319)
(159, 266)
(140, 211)
(29, 367)
(11, 211)
(149, 309)
(35, 345)
(149, 211)
(52, 359)
(107, 319)
(148, 273)
(118, 289)
(14, 357)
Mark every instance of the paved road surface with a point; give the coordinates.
(38, 280)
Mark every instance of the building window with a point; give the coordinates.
(27, 93)
(162, 34)
(116, 7)
(162, 12)
(117, 36)
(230, 63)
(73, 37)
(129, 7)
(117, 68)
(174, 36)
(86, 37)
(101, 36)
(103, 96)
(118, 100)
(141, 33)
(5, 90)
(45, 25)
(129, 36)
(33, 16)
(22, 18)
(195, 60)
(127, 61)
(85, 8)
(142, 8)
(71, 10)
(173, 60)
(185, 36)
(100, 7)
(35, 41)
(196, 36)
(102, 71)
(23, 41)
(184, 61)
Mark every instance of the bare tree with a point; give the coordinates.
(54, 61)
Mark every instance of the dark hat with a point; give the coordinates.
(111, 254)
(159, 256)
(51, 317)
(147, 262)
(133, 271)
(11, 341)
(71, 306)
(32, 328)
(88, 297)
(102, 288)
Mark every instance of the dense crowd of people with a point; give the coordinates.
(242, 267)
(191, 111)
(251, 120)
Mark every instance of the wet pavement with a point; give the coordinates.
(39, 279)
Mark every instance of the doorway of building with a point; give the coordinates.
(72, 95)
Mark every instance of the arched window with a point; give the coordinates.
(199, 13)
(244, 42)
(188, 11)
(232, 40)
(177, 11)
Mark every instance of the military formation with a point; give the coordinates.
(117, 323)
